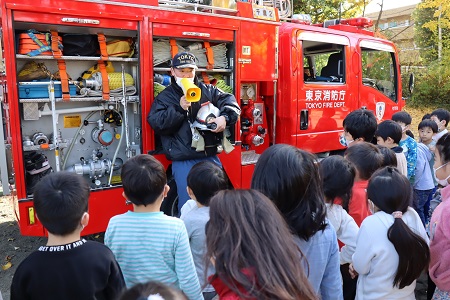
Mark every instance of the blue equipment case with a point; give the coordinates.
(41, 91)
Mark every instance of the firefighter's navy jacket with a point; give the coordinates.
(171, 122)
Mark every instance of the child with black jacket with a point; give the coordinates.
(67, 267)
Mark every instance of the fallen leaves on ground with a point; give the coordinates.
(8, 262)
(7, 266)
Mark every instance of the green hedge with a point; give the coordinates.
(431, 89)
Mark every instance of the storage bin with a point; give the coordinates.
(41, 91)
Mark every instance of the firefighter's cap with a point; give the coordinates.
(184, 60)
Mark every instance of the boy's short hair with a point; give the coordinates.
(205, 179)
(442, 114)
(366, 158)
(60, 200)
(428, 123)
(143, 179)
(426, 116)
(390, 129)
(361, 123)
(402, 116)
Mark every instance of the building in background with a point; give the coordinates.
(398, 26)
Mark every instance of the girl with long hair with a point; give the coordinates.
(338, 176)
(290, 178)
(392, 245)
(252, 250)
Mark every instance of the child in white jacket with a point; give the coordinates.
(392, 245)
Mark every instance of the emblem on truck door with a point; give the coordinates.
(380, 106)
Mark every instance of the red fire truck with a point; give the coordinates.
(80, 77)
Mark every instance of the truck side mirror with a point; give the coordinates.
(411, 83)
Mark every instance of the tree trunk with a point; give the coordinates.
(379, 16)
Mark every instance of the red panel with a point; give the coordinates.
(24, 221)
(143, 2)
(260, 64)
(102, 206)
(245, 9)
(287, 89)
(146, 69)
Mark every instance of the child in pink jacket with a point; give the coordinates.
(440, 224)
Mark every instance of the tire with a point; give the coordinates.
(170, 204)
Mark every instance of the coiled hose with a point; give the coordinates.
(129, 91)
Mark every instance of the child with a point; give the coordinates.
(204, 180)
(152, 290)
(424, 182)
(338, 176)
(68, 267)
(427, 129)
(367, 159)
(389, 157)
(359, 125)
(392, 245)
(389, 134)
(252, 249)
(441, 117)
(290, 178)
(440, 225)
(408, 143)
(148, 244)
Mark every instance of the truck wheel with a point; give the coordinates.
(170, 204)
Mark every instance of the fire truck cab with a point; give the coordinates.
(80, 77)
(329, 73)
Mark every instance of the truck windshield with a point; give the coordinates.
(378, 69)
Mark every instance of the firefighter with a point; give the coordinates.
(172, 118)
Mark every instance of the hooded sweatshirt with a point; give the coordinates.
(376, 260)
(440, 243)
(423, 174)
